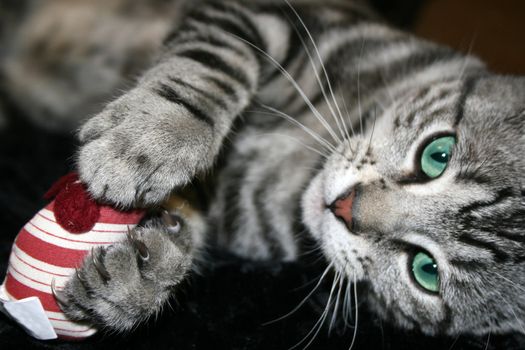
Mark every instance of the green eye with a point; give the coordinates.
(436, 155)
(425, 272)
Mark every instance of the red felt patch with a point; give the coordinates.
(75, 210)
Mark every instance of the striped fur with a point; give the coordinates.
(239, 95)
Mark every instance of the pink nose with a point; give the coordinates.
(342, 208)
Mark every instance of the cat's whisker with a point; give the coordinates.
(388, 88)
(337, 302)
(318, 78)
(488, 341)
(511, 282)
(356, 314)
(318, 54)
(454, 342)
(295, 139)
(347, 115)
(467, 57)
(305, 299)
(346, 306)
(296, 86)
(514, 313)
(372, 132)
(309, 131)
(319, 324)
(359, 86)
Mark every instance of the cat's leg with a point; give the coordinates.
(120, 286)
(171, 126)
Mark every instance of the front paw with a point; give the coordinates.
(121, 285)
(140, 148)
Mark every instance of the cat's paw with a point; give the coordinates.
(121, 285)
(140, 148)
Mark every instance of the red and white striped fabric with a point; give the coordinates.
(44, 251)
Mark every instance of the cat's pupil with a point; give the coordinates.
(430, 269)
(440, 157)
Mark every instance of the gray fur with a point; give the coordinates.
(394, 92)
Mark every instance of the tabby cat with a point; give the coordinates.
(402, 158)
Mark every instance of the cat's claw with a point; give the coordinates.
(119, 286)
(172, 222)
(139, 246)
(59, 296)
(99, 265)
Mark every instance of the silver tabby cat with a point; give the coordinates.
(404, 160)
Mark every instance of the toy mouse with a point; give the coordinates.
(47, 252)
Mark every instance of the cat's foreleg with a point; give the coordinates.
(122, 285)
(171, 125)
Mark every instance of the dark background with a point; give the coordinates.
(226, 305)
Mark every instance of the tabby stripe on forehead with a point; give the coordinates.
(212, 61)
(371, 80)
(171, 95)
(500, 196)
(519, 238)
(201, 92)
(499, 254)
(349, 48)
(441, 95)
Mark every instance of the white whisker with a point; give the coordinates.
(305, 299)
(337, 302)
(295, 139)
(347, 115)
(347, 306)
(318, 325)
(356, 314)
(511, 282)
(275, 112)
(359, 86)
(294, 83)
(488, 341)
(312, 133)
(318, 54)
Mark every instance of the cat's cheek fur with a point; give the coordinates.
(313, 206)
(345, 250)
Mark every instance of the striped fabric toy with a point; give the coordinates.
(53, 243)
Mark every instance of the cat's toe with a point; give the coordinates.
(121, 285)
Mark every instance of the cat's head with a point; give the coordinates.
(428, 208)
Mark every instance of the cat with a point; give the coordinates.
(402, 158)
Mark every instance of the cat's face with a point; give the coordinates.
(431, 210)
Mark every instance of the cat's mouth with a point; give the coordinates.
(342, 207)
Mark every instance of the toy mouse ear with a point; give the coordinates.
(75, 210)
